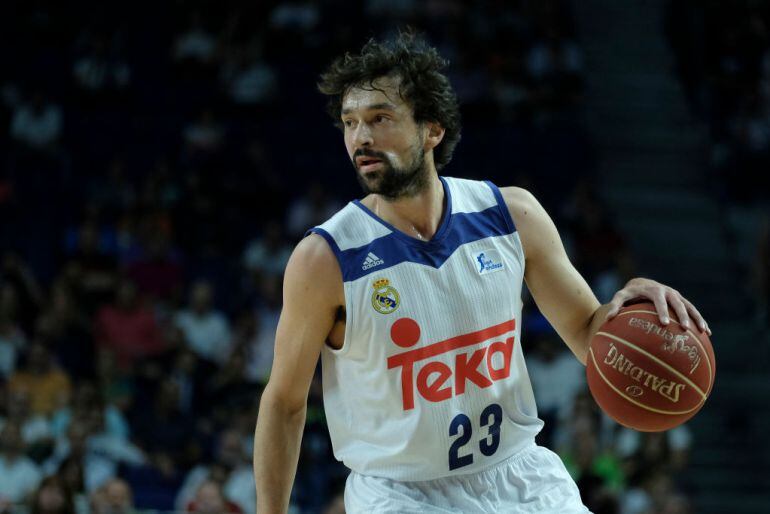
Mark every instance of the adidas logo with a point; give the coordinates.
(371, 261)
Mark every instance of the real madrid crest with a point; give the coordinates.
(385, 298)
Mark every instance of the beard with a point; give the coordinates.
(391, 182)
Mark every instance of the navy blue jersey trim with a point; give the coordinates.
(506, 213)
(390, 250)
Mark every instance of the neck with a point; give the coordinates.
(417, 216)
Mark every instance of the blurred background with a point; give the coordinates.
(159, 161)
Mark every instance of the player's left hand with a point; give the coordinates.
(662, 296)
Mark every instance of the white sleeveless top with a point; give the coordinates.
(430, 380)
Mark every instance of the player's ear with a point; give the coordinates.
(434, 134)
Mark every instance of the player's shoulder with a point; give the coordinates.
(313, 262)
(533, 223)
(520, 202)
(514, 194)
(312, 274)
(313, 254)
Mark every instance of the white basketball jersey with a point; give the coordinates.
(430, 380)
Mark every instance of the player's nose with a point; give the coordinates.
(362, 136)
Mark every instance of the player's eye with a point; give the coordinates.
(379, 118)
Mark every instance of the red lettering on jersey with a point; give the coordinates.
(469, 365)
(434, 392)
(407, 388)
(467, 369)
(506, 349)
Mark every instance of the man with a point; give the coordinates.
(114, 497)
(412, 296)
(19, 475)
(206, 330)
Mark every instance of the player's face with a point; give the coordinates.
(384, 143)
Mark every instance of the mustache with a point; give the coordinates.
(365, 152)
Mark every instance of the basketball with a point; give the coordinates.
(649, 376)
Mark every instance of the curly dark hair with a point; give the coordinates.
(422, 84)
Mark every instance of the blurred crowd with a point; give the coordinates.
(723, 57)
(722, 53)
(158, 167)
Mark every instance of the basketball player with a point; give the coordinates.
(412, 298)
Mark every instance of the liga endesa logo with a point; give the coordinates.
(437, 381)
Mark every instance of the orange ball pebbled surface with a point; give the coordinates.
(646, 375)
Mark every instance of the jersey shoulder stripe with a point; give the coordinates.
(364, 243)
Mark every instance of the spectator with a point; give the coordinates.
(21, 295)
(649, 491)
(38, 124)
(298, 15)
(164, 431)
(309, 210)
(73, 475)
(266, 322)
(85, 402)
(669, 449)
(94, 270)
(242, 421)
(232, 466)
(67, 329)
(128, 328)
(247, 78)
(112, 191)
(676, 503)
(114, 497)
(190, 373)
(316, 475)
(157, 270)
(196, 44)
(653, 450)
(19, 476)
(511, 88)
(36, 430)
(48, 386)
(53, 497)
(209, 499)
(554, 56)
(88, 456)
(97, 72)
(600, 251)
(12, 342)
(556, 378)
(230, 385)
(161, 187)
(116, 386)
(203, 137)
(206, 331)
(268, 254)
(597, 474)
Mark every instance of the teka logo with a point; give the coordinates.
(437, 381)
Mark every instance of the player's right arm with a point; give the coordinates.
(312, 293)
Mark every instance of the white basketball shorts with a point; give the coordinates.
(532, 481)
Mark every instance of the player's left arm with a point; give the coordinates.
(563, 295)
